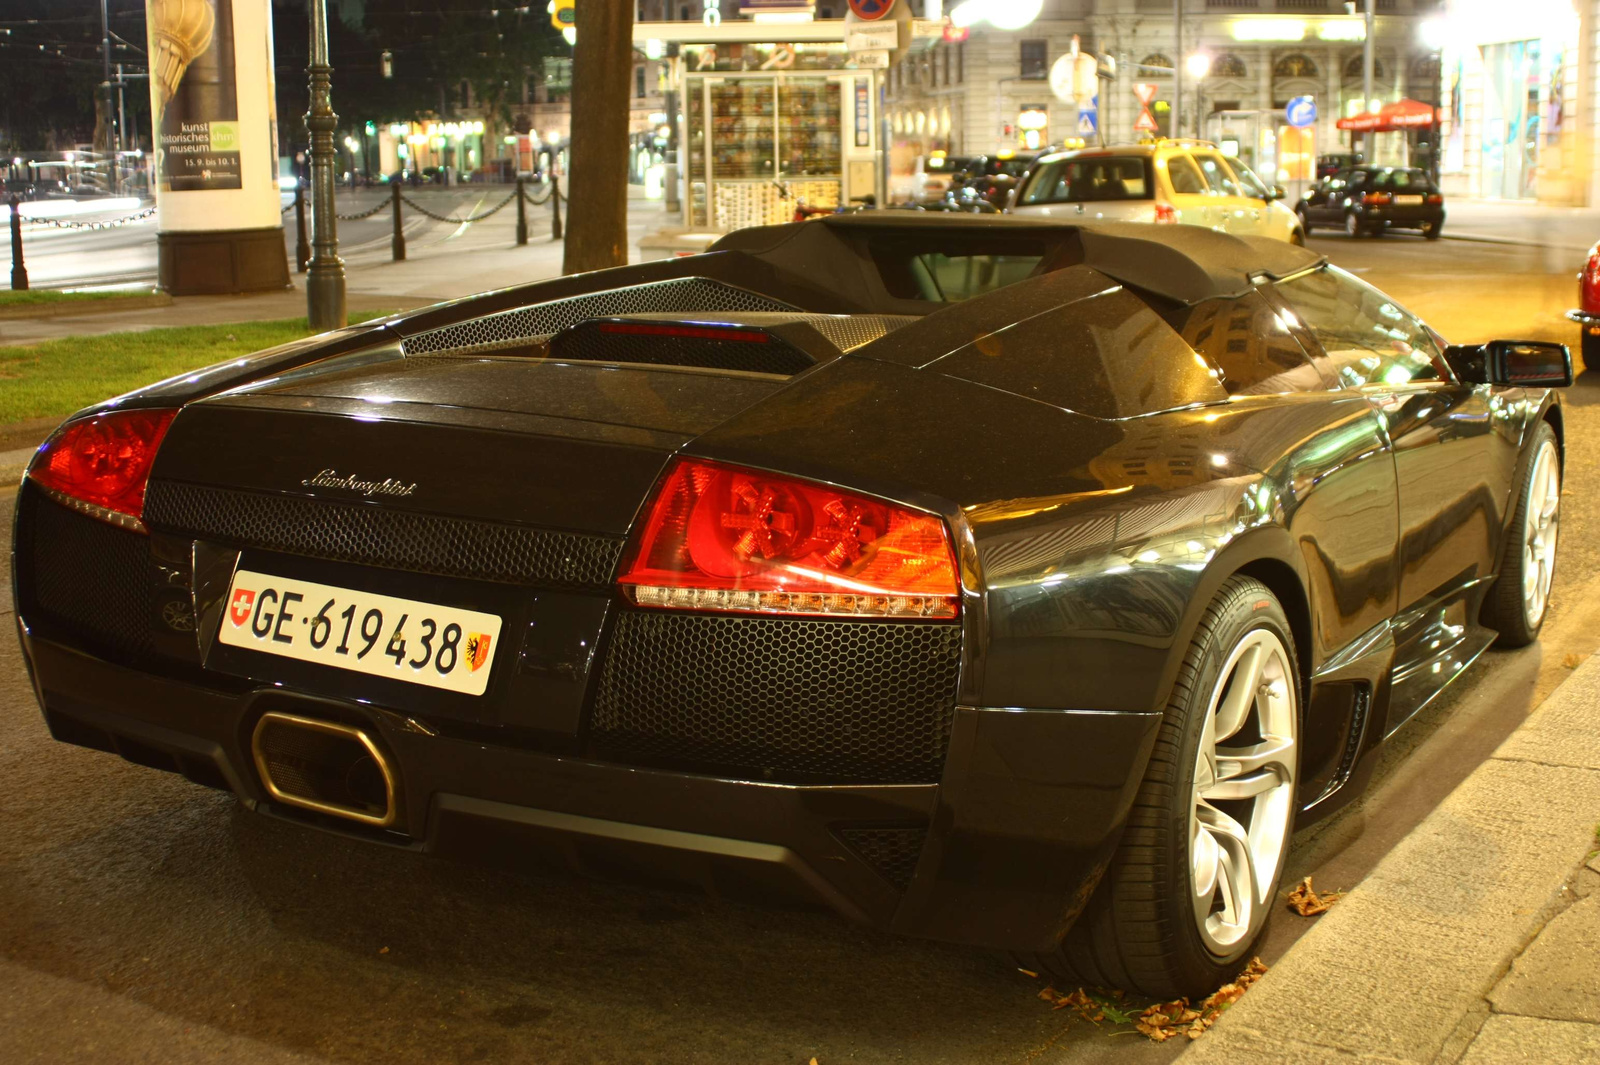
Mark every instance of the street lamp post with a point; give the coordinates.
(1198, 66)
(325, 303)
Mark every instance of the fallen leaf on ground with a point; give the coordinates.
(1305, 901)
(813, 1061)
(1165, 1020)
(1572, 661)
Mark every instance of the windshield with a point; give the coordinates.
(1089, 180)
(957, 269)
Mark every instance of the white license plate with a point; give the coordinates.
(401, 639)
(1408, 201)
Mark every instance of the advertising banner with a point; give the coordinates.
(195, 88)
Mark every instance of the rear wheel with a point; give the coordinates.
(1589, 349)
(1305, 222)
(1520, 597)
(1297, 238)
(1187, 895)
(1432, 230)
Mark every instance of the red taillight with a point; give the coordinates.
(719, 537)
(100, 465)
(1434, 197)
(1373, 198)
(1166, 214)
(1589, 283)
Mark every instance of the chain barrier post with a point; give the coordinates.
(398, 243)
(522, 215)
(302, 247)
(555, 207)
(19, 272)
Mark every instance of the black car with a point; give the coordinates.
(1333, 162)
(995, 580)
(1372, 200)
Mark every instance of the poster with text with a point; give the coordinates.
(192, 64)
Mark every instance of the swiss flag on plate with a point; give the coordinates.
(244, 601)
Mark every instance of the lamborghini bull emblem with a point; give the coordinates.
(477, 650)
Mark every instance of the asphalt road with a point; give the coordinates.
(143, 918)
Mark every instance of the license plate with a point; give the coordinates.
(379, 635)
(1408, 201)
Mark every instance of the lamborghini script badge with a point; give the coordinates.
(334, 479)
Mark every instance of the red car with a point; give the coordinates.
(1588, 313)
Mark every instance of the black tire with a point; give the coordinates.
(1588, 349)
(1505, 609)
(1352, 225)
(1432, 230)
(1297, 238)
(1305, 223)
(1139, 931)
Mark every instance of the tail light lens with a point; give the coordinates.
(100, 465)
(1166, 214)
(1434, 197)
(1373, 198)
(1589, 283)
(724, 538)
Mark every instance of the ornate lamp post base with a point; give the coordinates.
(325, 301)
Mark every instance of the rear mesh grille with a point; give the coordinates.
(892, 852)
(377, 536)
(518, 326)
(88, 578)
(814, 700)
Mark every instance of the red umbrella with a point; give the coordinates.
(1403, 114)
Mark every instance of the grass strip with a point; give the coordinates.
(32, 296)
(57, 377)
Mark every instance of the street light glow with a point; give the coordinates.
(1198, 65)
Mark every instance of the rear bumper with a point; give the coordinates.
(1402, 217)
(1003, 852)
(1590, 320)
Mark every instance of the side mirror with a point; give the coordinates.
(1517, 363)
(1277, 192)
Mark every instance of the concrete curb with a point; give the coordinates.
(73, 308)
(1398, 971)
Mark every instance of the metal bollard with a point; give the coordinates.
(522, 215)
(302, 249)
(19, 272)
(555, 208)
(398, 243)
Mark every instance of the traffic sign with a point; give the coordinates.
(562, 14)
(1301, 112)
(1146, 122)
(1087, 121)
(871, 10)
(872, 37)
(1061, 77)
(1145, 91)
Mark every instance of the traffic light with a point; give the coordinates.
(562, 16)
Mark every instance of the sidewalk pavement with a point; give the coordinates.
(1474, 941)
(1521, 222)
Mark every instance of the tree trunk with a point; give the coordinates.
(597, 186)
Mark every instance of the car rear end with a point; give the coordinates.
(456, 599)
(1402, 198)
(1587, 313)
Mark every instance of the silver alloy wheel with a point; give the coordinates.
(1541, 522)
(1243, 802)
(1352, 224)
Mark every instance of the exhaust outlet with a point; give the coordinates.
(326, 766)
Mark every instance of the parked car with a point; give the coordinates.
(992, 176)
(1373, 200)
(1587, 314)
(999, 580)
(1166, 181)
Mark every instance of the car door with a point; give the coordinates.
(1454, 455)
(1188, 190)
(1255, 198)
(1231, 205)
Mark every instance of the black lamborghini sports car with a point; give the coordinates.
(996, 580)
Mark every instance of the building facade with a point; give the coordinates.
(983, 95)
